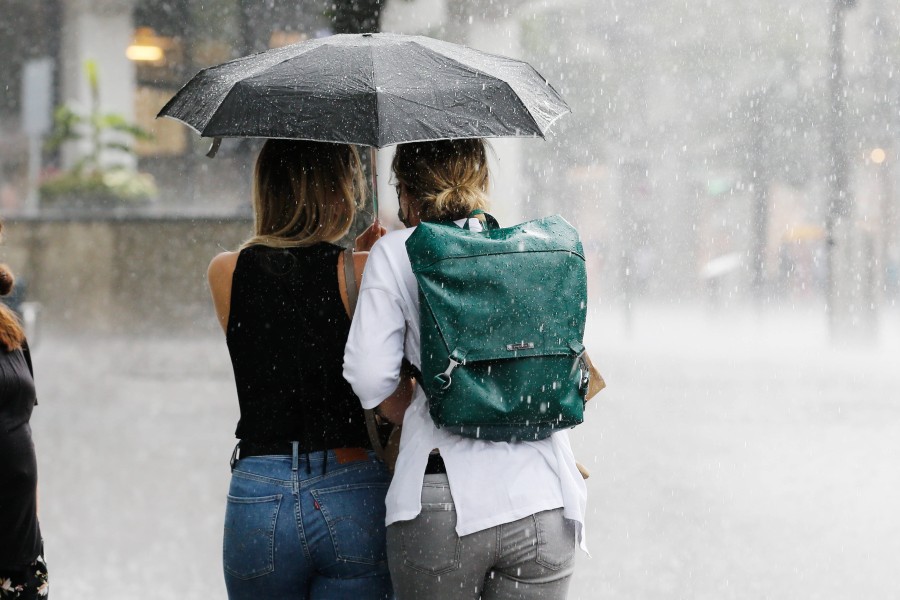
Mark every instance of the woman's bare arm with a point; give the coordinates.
(219, 275)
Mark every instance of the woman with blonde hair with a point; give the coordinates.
(467, 518)
(23, 572)
(305, 510)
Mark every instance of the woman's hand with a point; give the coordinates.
(367, 238)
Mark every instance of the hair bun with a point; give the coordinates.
(7, 280)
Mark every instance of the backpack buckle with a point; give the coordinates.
(457, 357)
(584, 375)
(446, 378)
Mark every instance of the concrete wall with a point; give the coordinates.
(111, 275)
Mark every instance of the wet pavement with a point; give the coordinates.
(733, 456)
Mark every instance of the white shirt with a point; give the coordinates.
(492, 482)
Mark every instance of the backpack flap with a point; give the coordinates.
(503, 316)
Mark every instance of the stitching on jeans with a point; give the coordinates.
(321, 497)
(455, 565)
(301, 530)
(261, 478)
(340, 469)
(346, 487)
(542, 542)
(435, 572)
(270, 567)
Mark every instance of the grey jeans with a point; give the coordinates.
(529, 558)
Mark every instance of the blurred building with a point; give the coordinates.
(144, 50)
(698, 130)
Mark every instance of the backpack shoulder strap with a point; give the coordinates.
(350, 280)
(488, 220)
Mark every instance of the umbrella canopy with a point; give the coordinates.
(373, 89)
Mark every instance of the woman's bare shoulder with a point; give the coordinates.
(221, 267)
(219, 275)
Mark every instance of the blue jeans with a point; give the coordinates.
(306, 527)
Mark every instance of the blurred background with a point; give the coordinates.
(729, 165)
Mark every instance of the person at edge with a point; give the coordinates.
(23, 572)
(305, 508)
(467, 518)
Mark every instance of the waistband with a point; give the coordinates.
(247, 449)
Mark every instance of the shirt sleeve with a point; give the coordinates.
(374, 348)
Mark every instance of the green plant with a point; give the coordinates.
(108, 186)
(104, 133)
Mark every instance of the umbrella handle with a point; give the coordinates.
(373, 161)
(217, 141)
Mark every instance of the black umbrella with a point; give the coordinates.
(372, 89)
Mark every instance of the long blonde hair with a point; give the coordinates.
(305, 192)
(449, 178)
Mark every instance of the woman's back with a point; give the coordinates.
(509, 527)
(306, 492)
(286, 332)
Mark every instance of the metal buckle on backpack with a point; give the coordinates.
(456, 358)
(446, 378)
(584, 375)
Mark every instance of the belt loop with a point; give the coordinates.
(234, 455)
(294, 455)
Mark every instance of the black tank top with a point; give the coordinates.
(286, 335)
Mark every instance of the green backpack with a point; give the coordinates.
(502, 324)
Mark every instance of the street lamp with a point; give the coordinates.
(147, 46)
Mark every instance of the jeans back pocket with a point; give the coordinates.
(555, 539)
(429, 543)
(354, 514)
(249, 542)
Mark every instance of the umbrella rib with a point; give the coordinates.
(226, 66)
(249, 90)
(428, 43)
(377, 95)
(476, 71)
(514, 97)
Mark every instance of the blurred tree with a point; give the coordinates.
(99, 175)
